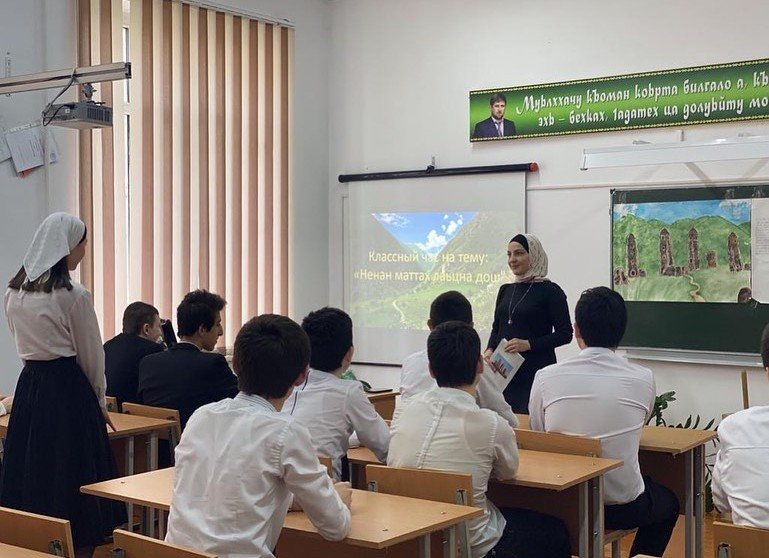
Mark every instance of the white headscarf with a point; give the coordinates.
(55, 238)
(537, 262)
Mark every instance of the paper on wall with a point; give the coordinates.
(759, 249)
(27, 146)
(5, 152)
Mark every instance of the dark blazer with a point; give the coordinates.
(122, 355)
(487, 129)
(185, 378)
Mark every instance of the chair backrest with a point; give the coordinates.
(139, 546)
(427, 484)
(112, 405)
(743, 542)
(158, 413)
(36, 532)
(325, 460)
(558, 443)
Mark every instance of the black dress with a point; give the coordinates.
(539, 314)
(56, 443)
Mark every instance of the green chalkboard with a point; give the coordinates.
(681, 257)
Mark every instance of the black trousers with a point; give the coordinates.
(654, 513)
(530, 534)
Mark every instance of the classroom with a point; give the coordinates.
(291, 155)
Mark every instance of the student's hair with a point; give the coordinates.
(270, 353)
(765, 346)
(55, 278)
(451, 306)
(602, 317)
(496, 97)
(198, 308)
(330, 333)
(136, 315)
(453, 349)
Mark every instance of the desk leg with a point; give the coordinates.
(161, 525)
(152, 464)
(596, 493)
(129, 469)
(699, 472)
(688, 503)
(584, 520)
(451, 541)
(424, 546)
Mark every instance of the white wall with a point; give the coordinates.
(400, 75)
(41, 35)
(38, 38)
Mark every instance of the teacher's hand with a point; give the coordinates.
(517, 346)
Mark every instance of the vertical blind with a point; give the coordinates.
(190, 187)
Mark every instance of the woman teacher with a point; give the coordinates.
(57, 440)
(532, 314)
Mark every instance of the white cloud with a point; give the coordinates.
(623, 209)
(434, 242)
(443, 228)
(445, 216)
(452, 228)
(393, 219)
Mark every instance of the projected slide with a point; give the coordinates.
(683, 251)
(400, 261)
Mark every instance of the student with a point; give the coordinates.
(741, 476)
(443, 428)
(416, 378)
(240, 460)
(188, 375)
(57, 440)
(141, 336)
(602, 395)
(332, 408)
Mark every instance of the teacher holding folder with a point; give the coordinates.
(532, 314)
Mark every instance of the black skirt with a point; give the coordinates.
(56, 443)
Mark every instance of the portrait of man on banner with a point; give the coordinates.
(496, 125)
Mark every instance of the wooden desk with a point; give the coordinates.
(9, 551)
(128, 427)
(379, 520)
(384, 403)
(675, 457)
(567, 486)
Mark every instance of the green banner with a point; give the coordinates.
(698, 95)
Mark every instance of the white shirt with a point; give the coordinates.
(601, 395)
(332, 409)
(444, 428)
(3, 411)
(62, 323)
(415, 378)
(741, 472)
(237, 464)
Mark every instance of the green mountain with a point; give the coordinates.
(712, 231)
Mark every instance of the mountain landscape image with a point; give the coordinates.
(693, 229)
(463, 251)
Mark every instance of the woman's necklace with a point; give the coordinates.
(510, 307)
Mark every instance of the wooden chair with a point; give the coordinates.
(558, 443)
(112, 405)
(736, 541)
(139, 546)
(426, 484)
(45, 534)
(325, 460)
(572, 445)
(174, 433)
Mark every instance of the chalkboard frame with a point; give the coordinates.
(708, 340)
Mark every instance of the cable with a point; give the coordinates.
(45, 110)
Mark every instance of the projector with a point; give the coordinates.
(82, 115)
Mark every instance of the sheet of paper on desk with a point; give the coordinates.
(27, 146)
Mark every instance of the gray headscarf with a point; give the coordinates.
(537, 258)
